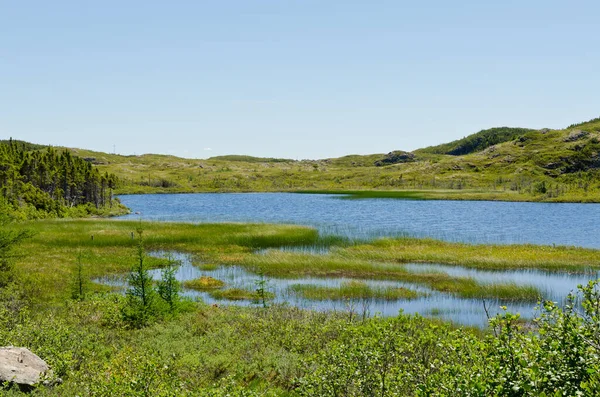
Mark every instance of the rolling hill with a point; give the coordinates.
(498, 163)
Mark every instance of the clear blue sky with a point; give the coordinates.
(291, 78)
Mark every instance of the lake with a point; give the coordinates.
(461, 221)
(464, 221)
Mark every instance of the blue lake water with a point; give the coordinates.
(465, 221)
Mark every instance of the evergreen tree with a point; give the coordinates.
(49, 181)
(80, 280)
(141, 301)
(168, 286)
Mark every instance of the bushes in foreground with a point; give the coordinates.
(257, 351)
(557, 356)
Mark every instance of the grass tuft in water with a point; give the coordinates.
(353, 290)
(207, 267)
(238, 294)
(204, 283)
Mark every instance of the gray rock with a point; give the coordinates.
(576, 135)
(20, 366)
(395, 157)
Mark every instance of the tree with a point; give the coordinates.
(168, 287)
(140, 307)
(80, 280)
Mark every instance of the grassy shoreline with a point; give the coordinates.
(47, 260)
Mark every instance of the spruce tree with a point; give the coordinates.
(141, 303)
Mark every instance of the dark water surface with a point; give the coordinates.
(464, 221)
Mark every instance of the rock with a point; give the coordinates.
(545, 130)
(395, 157)
(576, 135)
(20, 366)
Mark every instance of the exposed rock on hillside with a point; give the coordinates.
(576, 135)
(395, 157)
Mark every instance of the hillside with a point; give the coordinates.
(477, 142)
(499, 164)
(249, 159)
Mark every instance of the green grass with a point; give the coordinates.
(47, 260)
(203, 283)
(480, 256)
(292, 265)
(353, 290)
(270, 351)
(206, 266)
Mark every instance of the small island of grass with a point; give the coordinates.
(353, 290)
(238, 294)
(204, 283)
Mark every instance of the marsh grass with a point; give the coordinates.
(44, 261)
(353, 290)
(206, 266)
(204, 283)
(480, 256)
(238, 294)
(290, 265)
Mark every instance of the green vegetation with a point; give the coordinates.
(238, 294)
(206, 266)
(275, 350)
(168, 287)
(353, 290)
(250, 159)
(55, 241)
(203, 283)
(286, 264)
(142, 299)
(478, 141)
(41, 183)
(480, 256)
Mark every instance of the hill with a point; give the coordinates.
(498, 164)
(250, 159)
(477, 142)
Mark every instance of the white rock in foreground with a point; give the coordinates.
(21, 366)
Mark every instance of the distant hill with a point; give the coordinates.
(477, 142)
(250, 159)
(496, 164)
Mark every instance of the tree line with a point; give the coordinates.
(51, 181)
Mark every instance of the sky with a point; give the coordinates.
(300, 79)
